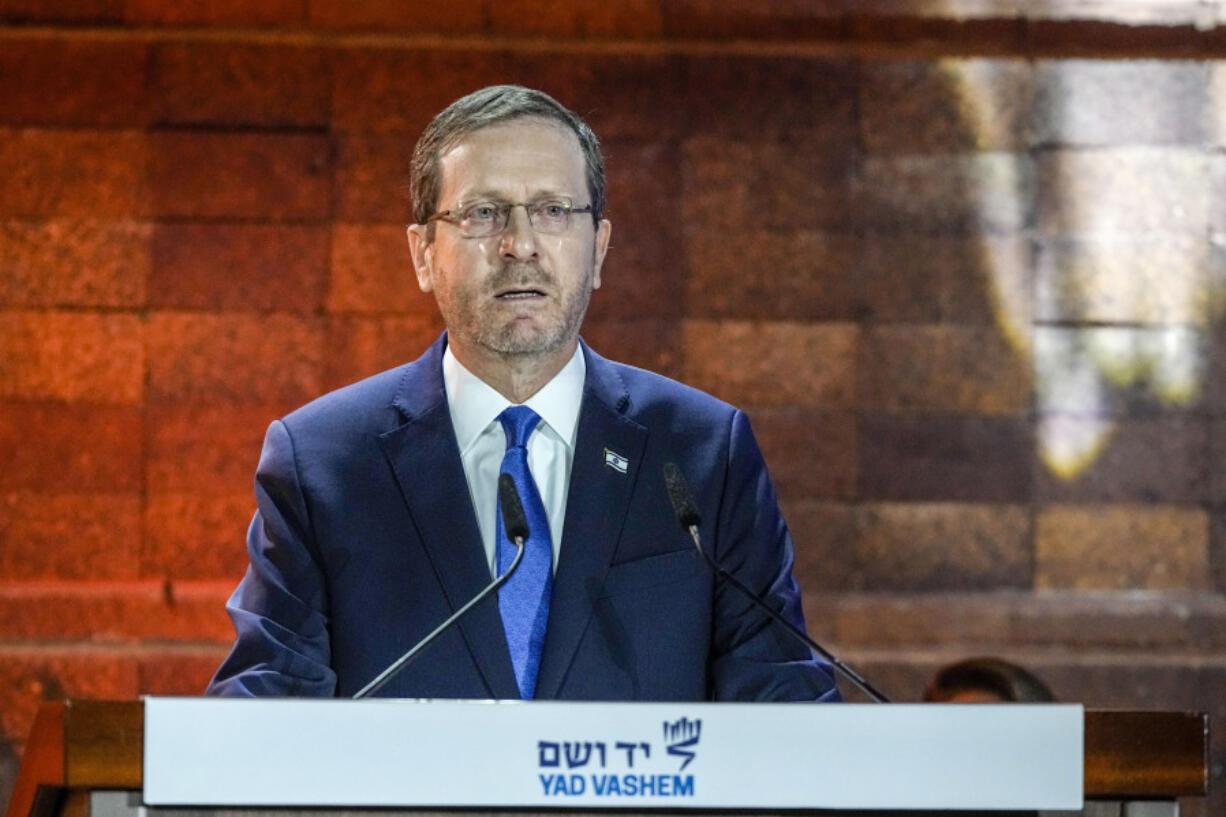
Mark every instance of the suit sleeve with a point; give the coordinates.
(280, 607)
(753, 658)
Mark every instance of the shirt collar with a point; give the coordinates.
(474, 404)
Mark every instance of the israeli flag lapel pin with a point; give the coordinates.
(616, 461)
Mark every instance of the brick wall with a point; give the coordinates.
(965, 274)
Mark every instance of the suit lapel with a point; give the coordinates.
(596, 507)
(425, 458)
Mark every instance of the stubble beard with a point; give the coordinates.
(520, 338)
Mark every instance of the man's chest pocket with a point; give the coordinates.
(650, 572)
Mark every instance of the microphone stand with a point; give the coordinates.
(516, 524)
(690, 519)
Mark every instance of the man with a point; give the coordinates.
(377, 503)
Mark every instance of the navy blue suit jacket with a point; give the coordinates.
(365, 539)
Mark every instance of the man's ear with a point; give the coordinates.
(603, 230)
(422, 252)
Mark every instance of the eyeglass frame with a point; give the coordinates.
(449, 215)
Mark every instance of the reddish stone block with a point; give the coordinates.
(382, 90)
(644, 271)
(887, 622)
(82, 174)
(268, 267)
(372, 271)
(1105, 682)
(69, 535)
(234, 84)
(733, 186)
(802, 276)
(643, 193)
(196, 536)
(634, 288)
(650, 100)
(54, 81)
(652, 343)
(1131, 189)
(975, 193)
(1077, 102)
(1113, 547)
(9, 761)
(112, 612)
(198, 611)
(949, 369)
(52, 447)
(73, 263)
(1127, 681)
(633, 19)
(980, 280)
(1217, 462)
(1214, 387)
(824, 536)
(944, 458)
(948, 628)
(1163, 622)
(194, 12)
(902, 279)
(358, 347)
(180, 673)
(810, 453)
(256, 359)
(209, 448)
(946, 105)
(772, 364)
(84, 11)
(802, 99)
(1217, 552)
(765, 19)
(943, 546)
(372, 177)
(265, 176)
(393, 14)
(1162, 459)
(30, 676)
(76, 356)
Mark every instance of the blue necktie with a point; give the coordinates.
(524, 599)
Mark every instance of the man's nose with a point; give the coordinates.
(519, 239)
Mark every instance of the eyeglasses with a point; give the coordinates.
(479, 219)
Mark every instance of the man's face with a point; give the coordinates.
(520, 291)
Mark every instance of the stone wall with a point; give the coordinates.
(964, 269)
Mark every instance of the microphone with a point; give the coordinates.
(515, 522)
(687, 514)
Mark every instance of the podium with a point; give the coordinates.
(88, 758)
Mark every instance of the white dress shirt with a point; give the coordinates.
(475, 406)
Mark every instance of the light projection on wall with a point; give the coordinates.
(1120, 292)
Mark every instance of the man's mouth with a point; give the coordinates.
(515, 294)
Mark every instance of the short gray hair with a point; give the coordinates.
(492, 106)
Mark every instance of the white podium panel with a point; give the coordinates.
(300, 752)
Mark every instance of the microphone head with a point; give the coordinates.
(679, 495)
(514, 520)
